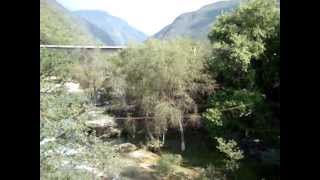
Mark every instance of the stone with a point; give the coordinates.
(46, 140)
(126, 147)
(73, 87)
(111, 133)
(105, 127)
(101, 123)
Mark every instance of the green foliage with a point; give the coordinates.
(268, 71)
(65, 146)
(231, 150)
(162, 78)
(62, 106)
(157, 70)
(245, 61)
(166, 80)
(245, 51)
(91, 71)
(54, 63)
(239, 38)
(236, 110)
(69, 142)
(213, 117)
(166, 113)
(165, 165)
(67, 175)
(211, 172)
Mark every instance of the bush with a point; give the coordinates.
(64, 142)
(55, 63)
(67, 175)
(92, 72)
(212, 172)
(165, 165)
(232, 151)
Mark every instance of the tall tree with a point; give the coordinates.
(245, 61)
(242, 38)
(162, 78)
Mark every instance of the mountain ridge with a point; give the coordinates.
(120, 31)
(59, 26)
(196, 24)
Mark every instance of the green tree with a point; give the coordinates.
(245, 62)
(243, 37)
(162, 78)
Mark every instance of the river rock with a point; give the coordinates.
(105, 127)
(126, 147)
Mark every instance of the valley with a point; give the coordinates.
(199, 100)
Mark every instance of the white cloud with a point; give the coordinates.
(149, 16)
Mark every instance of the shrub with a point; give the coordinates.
(54, 63)
(64, 142)
(165, 165)
(232, 151)
(91, 71)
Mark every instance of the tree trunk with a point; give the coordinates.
(163, 137)
(94, 95)
(183, 145)
(148, 130)
(133, 129)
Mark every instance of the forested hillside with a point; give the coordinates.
(99, 34)
(197, 24)
(117, 29)
(58, 26)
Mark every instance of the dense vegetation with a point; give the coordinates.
(225, 92)
(64, 138)
(245, 62)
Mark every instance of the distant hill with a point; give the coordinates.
(99, 34)
(119, 31)
(196, 24)
(58, 26)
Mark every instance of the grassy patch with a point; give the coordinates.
(200, 152)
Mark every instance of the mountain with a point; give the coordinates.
(58, 26)
(99, 34)
(118, 30)
(196, 24)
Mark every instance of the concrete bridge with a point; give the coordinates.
(85, 47)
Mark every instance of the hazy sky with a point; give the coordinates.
(149, 16)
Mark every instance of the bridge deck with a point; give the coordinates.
(82, 47)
